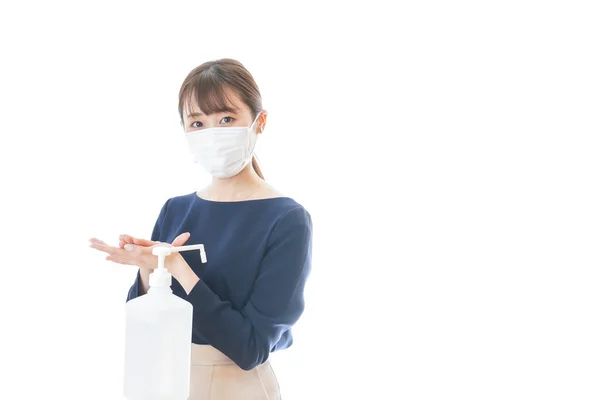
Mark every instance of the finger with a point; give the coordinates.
(142, 256)
(137, 252)
(135, 248)
(120, 260)
(94, 240)
(143, 242)
(115, 251)
(124, 239)
(181, 239)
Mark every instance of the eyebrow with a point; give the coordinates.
(200, 114)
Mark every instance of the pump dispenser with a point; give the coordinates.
(159, 337)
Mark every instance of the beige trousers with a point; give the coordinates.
(214, 376)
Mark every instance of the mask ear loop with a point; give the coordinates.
(256, 119)
(254, 157)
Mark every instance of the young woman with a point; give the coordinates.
(249, 294)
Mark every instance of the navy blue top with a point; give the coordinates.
(251, 288)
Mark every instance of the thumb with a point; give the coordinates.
(181, 239)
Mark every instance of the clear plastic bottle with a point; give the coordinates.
(158, 338)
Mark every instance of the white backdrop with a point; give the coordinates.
(447, 152)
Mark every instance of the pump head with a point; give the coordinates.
(161, 276)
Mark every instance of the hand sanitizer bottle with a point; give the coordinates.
(159, 337)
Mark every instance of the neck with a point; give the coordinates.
(236, 187)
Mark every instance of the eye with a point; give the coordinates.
(196, 126)
(226, 120)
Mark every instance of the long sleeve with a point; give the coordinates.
(247, 336)
(134, 291)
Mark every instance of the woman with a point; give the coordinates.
(249, 294)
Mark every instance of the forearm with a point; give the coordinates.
(244, 336)
(145, 280)
(140, 285)
(184, 274)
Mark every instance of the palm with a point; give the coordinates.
(141, 253)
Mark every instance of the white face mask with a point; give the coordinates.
(223, 151)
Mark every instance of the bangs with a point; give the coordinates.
(208, 93)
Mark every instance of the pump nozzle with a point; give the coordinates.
(162, 277)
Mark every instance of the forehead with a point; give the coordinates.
(229, 102)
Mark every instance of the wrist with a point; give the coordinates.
(176, 265)
(183, 273)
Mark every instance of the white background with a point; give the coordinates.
(447, 152)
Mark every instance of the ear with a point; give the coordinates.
(262, 122)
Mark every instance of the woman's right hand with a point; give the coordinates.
(127, 239)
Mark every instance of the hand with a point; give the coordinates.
(141, 252)
(131, 241)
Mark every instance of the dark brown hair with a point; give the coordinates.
(207, 84)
